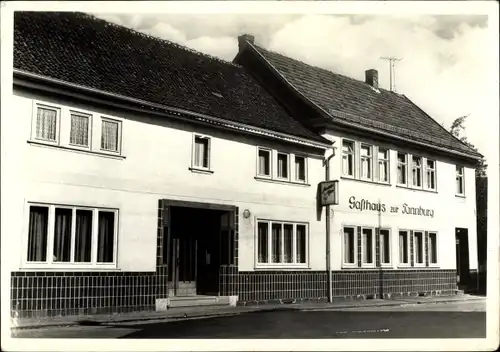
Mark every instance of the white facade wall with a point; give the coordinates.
(156, 165)
(450, 211)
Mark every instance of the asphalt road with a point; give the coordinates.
(467, 320)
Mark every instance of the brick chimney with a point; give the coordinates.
(371, 78)
(243, 39)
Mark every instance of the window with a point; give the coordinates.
(350, 246)
(418, 245)
(79, 132)
(264, 166)
(460, 180)
(366, 161)
(300, 169)
(383, 165)
(110, 130)
(402, 169)
(431, 174)
(416, 171)
(47, 124)
(71, 235)
(367, 247)
(404, 248)
(281, 243)
(384, 246)
(283, 165)
(347, 158)
(432, 248)
(201, 155)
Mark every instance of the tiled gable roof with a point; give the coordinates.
(349, 100)
(81, 49)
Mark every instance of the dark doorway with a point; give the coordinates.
(462, 257)
(200, 241)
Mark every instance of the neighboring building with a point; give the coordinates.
(128, 153)
(482, 231)
(406, 220)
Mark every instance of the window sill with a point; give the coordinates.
(71, 267)
(460, 196)
(417, 189)
(365, 181)
(273, 180)
(201, 171)
(282, 267)
(77, 150)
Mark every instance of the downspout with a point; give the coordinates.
(327, 218)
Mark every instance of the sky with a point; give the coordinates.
(442, 67)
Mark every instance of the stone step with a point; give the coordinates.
(192, 301)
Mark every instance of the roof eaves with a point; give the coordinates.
(177, 111)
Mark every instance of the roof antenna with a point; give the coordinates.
(392, 72)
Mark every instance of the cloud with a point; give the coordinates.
(443, 56)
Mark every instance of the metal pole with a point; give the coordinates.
(327, 217)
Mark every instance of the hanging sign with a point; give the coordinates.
(329, 192)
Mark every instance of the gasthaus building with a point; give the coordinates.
(405, 222)
(144, 176)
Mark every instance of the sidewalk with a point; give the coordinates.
(215, 311)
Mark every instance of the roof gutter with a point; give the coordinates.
(182, 112)
(367, 129)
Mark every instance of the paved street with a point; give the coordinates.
(450, 320)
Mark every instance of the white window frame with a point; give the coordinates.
(353, 156)
(34, 118)
(269, 264)
(374, 258)
(405, 165)
(72, 265)
(89, 130)
(436, 264)
(421, 168)
(355, 243)
(370, 161)
(209, 152)
(408, 249)
(386, 161)
(389, 239)
(119, 136)
(270, 162)
(460, 175)
(432, 171)
(295, 176)
(415, 248)
(288, 166)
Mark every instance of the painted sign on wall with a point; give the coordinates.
(405, 208)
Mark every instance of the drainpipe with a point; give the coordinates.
(327, 217)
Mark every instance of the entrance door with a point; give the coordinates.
(183, 264)
(462, 256)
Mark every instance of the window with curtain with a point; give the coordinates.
(46, 124)
(366, 161)
(83, 236)
(431, 174)
(282, 165)
(403, 247)
(300, 168)
(367, 246)
(109, 135)
(264, 168)
(402, 169)
(62, 235)
(417, 171)
(418, 244)
(432, 248)
(349, 245)
(460, 189)
(347, 158)
(105, 237)
(201, 152)
(384, 246)
(79, 132)
(383, 165)
(285, 244)
(37, 234)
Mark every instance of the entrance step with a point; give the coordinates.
(194, 301)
